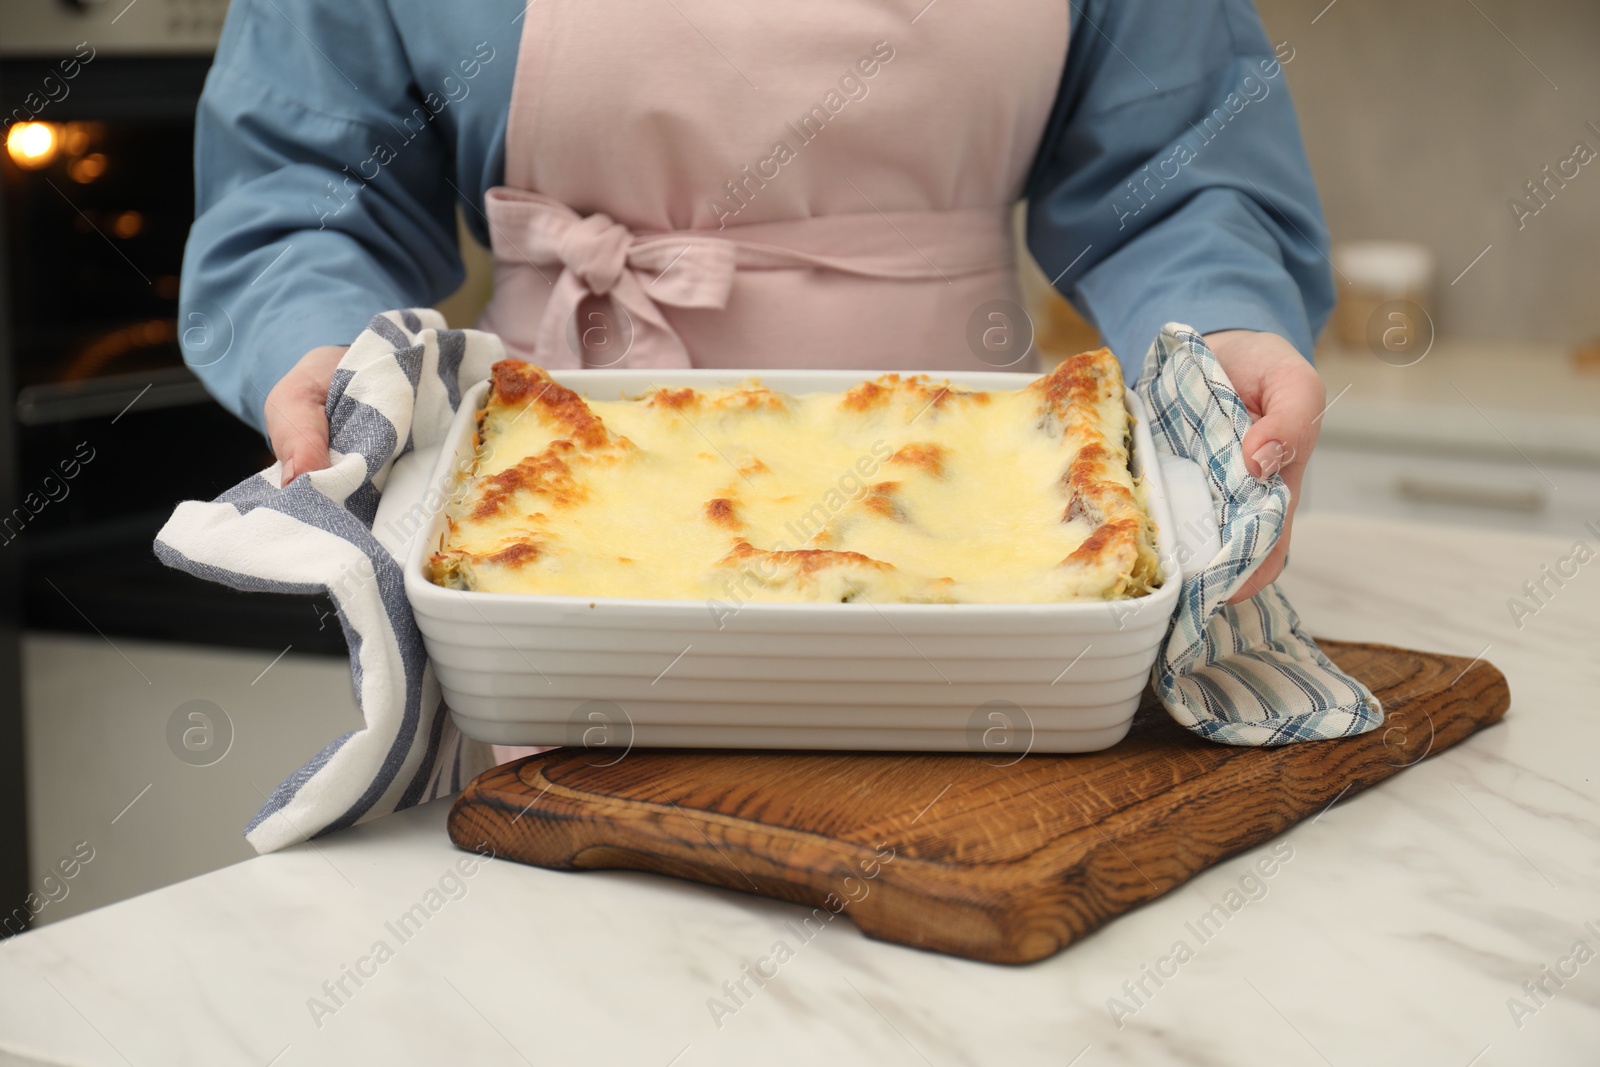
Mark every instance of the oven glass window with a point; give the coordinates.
(112, 429)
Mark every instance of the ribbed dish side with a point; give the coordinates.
(534, 670)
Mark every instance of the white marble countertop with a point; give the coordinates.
(1466, 397)
(1399, 929)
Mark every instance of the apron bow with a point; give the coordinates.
(597, 256)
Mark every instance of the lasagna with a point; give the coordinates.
(899, 490)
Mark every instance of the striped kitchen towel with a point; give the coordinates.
(394, 392)
(1241, 674)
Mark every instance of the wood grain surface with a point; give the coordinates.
(1002, 859)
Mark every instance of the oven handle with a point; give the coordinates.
(56, 402)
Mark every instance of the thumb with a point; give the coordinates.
(296, 412)
(297, 428)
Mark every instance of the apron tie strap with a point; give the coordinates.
(533, 236)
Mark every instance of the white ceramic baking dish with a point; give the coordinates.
(540, 670)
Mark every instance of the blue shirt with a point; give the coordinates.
(1170, 184)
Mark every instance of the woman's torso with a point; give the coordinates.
(895, 139)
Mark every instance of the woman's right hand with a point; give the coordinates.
(297, 412)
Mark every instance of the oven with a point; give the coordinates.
(110, 428)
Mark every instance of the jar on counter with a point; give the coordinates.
(1385, 297)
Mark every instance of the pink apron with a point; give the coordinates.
(720, 183)
(727, 183)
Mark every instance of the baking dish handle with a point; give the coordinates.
(1195, 540)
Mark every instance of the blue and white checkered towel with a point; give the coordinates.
(1243, 675)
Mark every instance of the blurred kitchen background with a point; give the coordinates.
(147, 714)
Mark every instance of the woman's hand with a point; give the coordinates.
(1285, 396)
(297, 412)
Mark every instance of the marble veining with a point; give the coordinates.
(1402, 927)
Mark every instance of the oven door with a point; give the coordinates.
(112, 429)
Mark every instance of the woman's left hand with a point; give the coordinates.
(1284, 395)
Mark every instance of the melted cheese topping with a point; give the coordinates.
(897, 490)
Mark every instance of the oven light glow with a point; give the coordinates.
(75, 136)
(127, 224)
(85, 170)
(32, 144)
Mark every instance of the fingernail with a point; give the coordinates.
(287, 473)
(1269, 457)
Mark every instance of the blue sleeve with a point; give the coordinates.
(1172, 184)
(322, 193)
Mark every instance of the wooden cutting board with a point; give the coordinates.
(999, 859)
